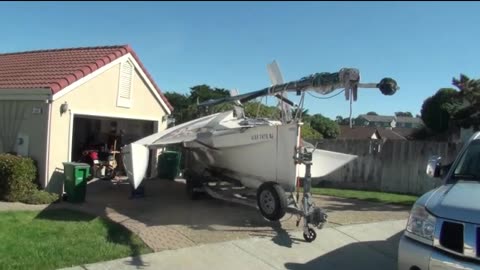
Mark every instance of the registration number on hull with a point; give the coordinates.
(263, 136)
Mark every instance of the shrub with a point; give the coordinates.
(41, 197)
(17, 176)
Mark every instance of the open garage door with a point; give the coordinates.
(106, 135)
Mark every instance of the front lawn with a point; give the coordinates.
(54, 239)
(373, 196)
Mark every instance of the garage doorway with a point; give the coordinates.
(106, 134)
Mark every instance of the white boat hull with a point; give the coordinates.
(262, 154)
(135, 159)
(253, 156)
(326, 162)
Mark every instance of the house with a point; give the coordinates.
(388, 121)
(368, 133)
(376, 136)
(408, 122)
(53, 103)
(367, 120)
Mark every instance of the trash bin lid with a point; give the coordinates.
(76, 164)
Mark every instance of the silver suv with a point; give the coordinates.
(443, 230)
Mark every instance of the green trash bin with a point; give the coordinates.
(76, 175)
(169, 164)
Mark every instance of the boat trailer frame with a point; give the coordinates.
(222, 187)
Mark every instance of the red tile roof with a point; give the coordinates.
(56, 69)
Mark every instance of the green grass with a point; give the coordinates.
(54, 239)
(373, 196)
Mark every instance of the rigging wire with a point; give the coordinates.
(299, 111)
(326, 97)
(351, 97)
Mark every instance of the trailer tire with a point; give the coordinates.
(311, 236)
(192, 183)
(272, 201)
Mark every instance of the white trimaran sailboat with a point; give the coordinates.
(262, 155)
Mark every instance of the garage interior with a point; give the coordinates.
(106, 134)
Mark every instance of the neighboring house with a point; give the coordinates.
(53, 103)
(376, 136)
(388, 121)
(408, 122)
(368, 133)
(366, 120)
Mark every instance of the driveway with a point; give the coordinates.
(361, 246)
(166, 219)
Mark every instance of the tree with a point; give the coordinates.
(308, 133)
(325, 126)
(343, 121)
(469, 89)
(253, 107)
(403, 114)
(305, 116)
(372, 113)
(180, 103)
(186, 105)
(303, 112)
(434, 114)
(464, 109)
(201, 93)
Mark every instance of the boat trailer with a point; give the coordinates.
(219, 186)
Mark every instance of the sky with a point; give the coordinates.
(422, 45)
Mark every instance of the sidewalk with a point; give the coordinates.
(362, 246)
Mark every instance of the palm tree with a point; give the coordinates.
(304, 112)
(469, 89)
(465, 107)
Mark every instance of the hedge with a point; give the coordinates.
(17, 181)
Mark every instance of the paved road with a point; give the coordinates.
(360, 246)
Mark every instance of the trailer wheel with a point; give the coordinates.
(310, 237)
(191, 184)
(272, 201)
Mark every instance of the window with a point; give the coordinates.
(125, 84)
(468, 166)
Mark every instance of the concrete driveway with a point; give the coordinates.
(166, 219)
(361, 246)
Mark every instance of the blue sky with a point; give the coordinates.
(423, 45)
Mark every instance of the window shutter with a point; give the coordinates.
(126, 80)
(125, 84)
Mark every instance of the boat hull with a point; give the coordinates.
(261, 154)
(135, 159)
(252, 156)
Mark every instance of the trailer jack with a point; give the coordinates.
(311, 214)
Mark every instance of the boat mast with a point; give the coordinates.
(322, 83)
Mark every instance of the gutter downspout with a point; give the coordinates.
(47, 158)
